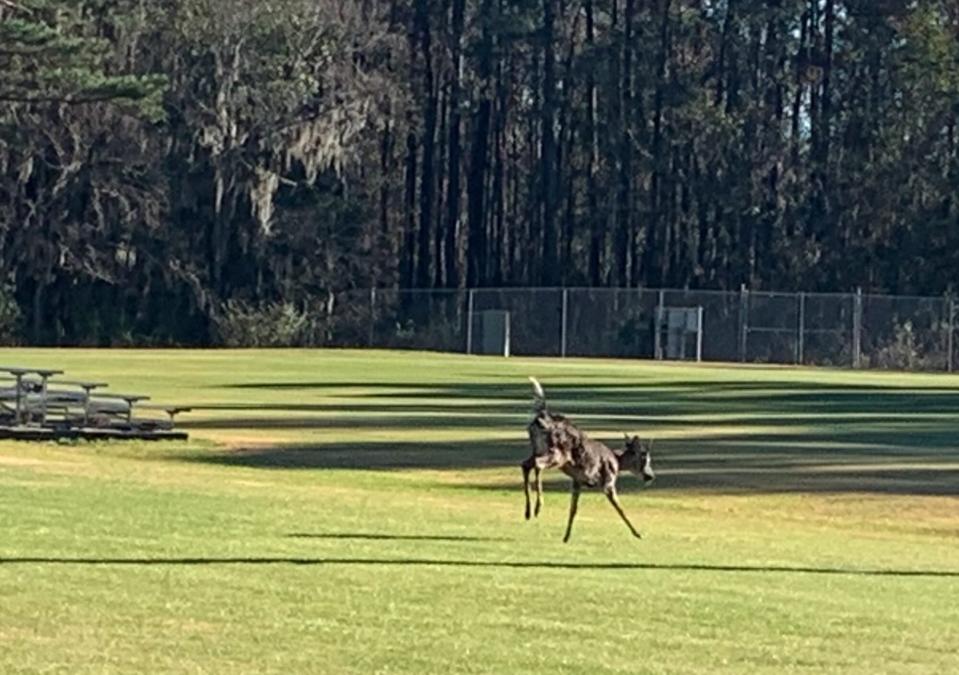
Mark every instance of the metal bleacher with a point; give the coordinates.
(36, 406)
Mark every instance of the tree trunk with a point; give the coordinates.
(597, 233)
(624, 192)
(548, 169)
(424, 257)
(451, 254)
(477, 265)
(408, 260)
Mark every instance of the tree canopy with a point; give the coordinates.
(162, 160)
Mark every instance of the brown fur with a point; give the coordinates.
(558, 443)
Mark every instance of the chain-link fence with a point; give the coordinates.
(827, 329)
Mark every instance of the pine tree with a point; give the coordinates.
(46, 56)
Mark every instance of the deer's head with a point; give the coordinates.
(638, 458)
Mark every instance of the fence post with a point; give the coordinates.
(699, 334)
(949, 336)
(372, 315)
(506, 347)
(802, 323)
(562, 330)
(658, 326)
(469, 321)
(743, 321)
(857, 329)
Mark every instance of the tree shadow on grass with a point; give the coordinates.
(371, 456)
(479, 564)
(519, 387)
(782, 436)
(436, 416)
(375, 536)
(830, 463)
(680, 396)
(610, 404)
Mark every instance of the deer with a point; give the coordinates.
(558, 443)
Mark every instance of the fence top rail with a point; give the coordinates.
(822, 294)
(386, 291)
(908, 298)
(648, 289)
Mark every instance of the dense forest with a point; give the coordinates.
(165, 163)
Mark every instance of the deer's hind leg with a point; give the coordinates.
(539, 489)
(536, 464)
(527, 466)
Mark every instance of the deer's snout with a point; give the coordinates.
(647, 472)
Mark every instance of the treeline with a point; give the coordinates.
(159, 159)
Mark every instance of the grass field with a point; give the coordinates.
(349, 511)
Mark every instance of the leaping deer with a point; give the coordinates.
(558, 443)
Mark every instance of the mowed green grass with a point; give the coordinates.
(353, 511)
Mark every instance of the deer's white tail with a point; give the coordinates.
(539, 394)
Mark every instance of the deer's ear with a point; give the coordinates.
(542, 422)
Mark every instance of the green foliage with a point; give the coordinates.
(9, 316)
(291, 149)
(906, 350)
(268, 324)
(51, 55)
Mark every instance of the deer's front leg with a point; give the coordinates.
(614, 500)
(573, 504)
